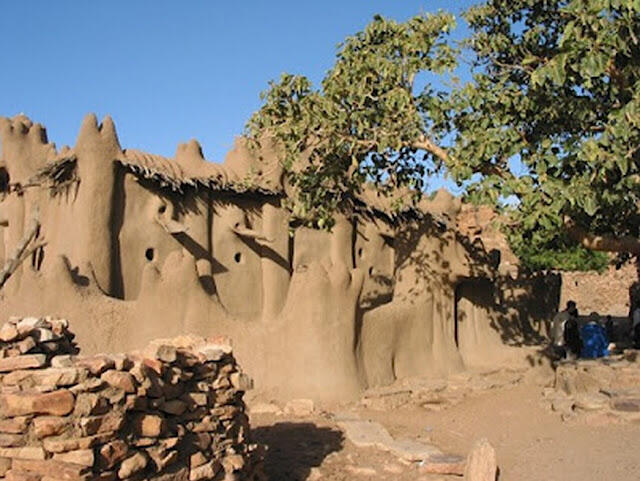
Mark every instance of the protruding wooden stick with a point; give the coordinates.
(14, 261)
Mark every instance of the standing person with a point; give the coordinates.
(609, 328)
(635, 319)
(572, 339)
(635, 326)
(557, 328)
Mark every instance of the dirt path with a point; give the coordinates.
(531, 442)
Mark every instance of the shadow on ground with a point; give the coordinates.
(295, 448)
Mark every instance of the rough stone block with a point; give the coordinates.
(134, 402)
(112, 453)
(161, 457)
(175, 407)
(83, 457)
(573, 381)
(121, 380)
(29, 361)
(14, 475)
(22, 453)
(132, 465)
(58, 445)
(8, 332)
(92, 384)
(173, 473)
(443, 464)
(202, 441)
(155, 365)
(5, 465)
(96, 364)
(63, 360)
(112, 421)
(54, 469)
(166, 353)
(27, 324)
(197, 398)
(149, 425)
(411, 450)
(626, 405)
(197, 459)
(366, 433)
(206, 471)
(26, 345)
(122, 362)
(15, 425)
(56, 377)
(57, 403)
(481, 463)
(45, 426)
(9, 440)
(42, 334)
(241, 381)
(91, 403)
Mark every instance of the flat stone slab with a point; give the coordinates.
(591, 402)
(342, 416)
(443, 464)
(626, 405)
(366, 433)
(411, 450)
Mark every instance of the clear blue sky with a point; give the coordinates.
(169, 71)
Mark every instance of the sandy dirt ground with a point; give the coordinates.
(531, 441)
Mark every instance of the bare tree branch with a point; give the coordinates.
(595, 242)
(427, 144)
(18, 255)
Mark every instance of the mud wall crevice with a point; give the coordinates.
(118, 202)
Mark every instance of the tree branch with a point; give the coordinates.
(13, 262)
(427, 144)
(595, 242)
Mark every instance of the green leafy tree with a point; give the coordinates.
(556, 87)
(365, 123)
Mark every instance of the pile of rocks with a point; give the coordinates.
(600, 391)
(40, 338)
(171, 412)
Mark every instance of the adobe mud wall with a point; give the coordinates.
(134, 246)
(172, 412)
(607, 293)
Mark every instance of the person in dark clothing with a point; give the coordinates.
(636, 336)
(572, 339)
(609, 328)
(594, 338)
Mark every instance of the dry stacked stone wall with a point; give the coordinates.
(171, 412)
(600, 391)
(606, 293)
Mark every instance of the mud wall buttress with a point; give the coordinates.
(97, 148)
(276, 265)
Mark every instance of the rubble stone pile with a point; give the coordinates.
(600, 391)
(171, 412)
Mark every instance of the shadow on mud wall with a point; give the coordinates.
(526, 306)
(519, 310)
(294, 448)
